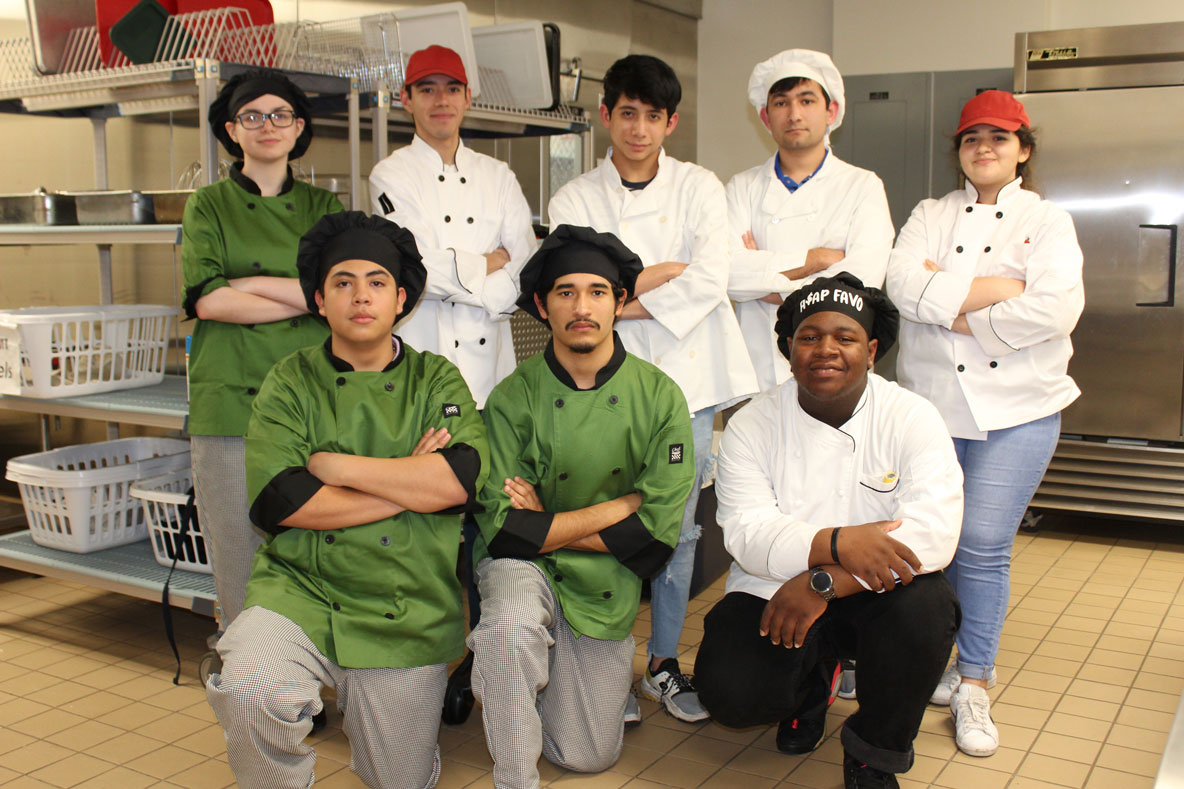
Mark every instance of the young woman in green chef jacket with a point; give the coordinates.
(239, 240)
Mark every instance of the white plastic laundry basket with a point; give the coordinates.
(79, 499)
(166, 504)
(84, 350)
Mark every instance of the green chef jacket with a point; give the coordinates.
(383, 594)
(631, 432)
(230, 231)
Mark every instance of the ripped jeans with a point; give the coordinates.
(670, 589)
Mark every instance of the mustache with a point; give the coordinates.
(569, 324)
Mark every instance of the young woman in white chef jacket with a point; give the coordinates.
(988, 280)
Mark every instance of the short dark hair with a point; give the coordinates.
(1027, 138)
(789, 83)
(642, 77)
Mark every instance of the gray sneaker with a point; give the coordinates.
(674, 691)
(847, 684)
(632, 710)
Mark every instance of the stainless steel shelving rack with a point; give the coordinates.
(338, 91)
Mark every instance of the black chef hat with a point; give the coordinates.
(571, 249)
(844, 293)
(248, 86)
(353, 235)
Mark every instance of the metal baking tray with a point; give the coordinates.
(130, 207)
(38, 208)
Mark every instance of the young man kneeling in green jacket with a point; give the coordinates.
(360, 452)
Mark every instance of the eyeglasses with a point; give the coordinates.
(281, 119)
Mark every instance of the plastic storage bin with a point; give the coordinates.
(83, 350)
(164, 499)
(79, 499)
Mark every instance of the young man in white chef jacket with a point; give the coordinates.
(804, 213)
(840, 498)
(674, 216)
(473, 227)
(470, 220)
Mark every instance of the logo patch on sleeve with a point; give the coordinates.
(676, 453)
(451, 409)
(385, 202)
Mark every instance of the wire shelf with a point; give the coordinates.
(365, 50)
(223, 34)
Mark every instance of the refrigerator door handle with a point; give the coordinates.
(1173, 231)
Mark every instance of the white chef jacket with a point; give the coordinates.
(456, 216)
(782, 476)
(681, 216)
(1012, 369)
(839, 207)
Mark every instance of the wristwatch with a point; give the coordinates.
(822, 583)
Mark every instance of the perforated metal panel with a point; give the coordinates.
(530, 336)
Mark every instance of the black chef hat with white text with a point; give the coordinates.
(571, 249)
(845, 293)
(354, 235)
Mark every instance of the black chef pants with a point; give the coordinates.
(900, 641)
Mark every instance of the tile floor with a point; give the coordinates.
(1090, 673)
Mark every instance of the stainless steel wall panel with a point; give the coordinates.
(886, 129)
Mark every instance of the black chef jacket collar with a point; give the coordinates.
(342, 366)
(236, 175)
(602, 375)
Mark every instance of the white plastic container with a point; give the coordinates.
(79, 499)
(68, 351)
(164, 498)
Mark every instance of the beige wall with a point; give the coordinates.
(735, 35)
(876, 37)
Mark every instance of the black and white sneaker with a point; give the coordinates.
(674, 690)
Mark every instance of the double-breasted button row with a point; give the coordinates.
(462, 179)
(448, 218)
(992, 365)
(384, 540)
(998, 214)
(959, 248)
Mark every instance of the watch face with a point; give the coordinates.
(820, 581)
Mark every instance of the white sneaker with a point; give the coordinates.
(975, 732)
(949, 682)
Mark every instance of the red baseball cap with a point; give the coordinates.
(435, 60)
(996, 107)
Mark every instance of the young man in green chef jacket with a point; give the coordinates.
(591, 462)
(360, 452)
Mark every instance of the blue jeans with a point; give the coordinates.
(670, 589)
(1002, 472)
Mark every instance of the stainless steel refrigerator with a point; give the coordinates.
(1108, 108)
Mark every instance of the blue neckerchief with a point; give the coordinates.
(791, 184)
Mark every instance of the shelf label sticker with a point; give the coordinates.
(10, 359)
(1052, 53)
